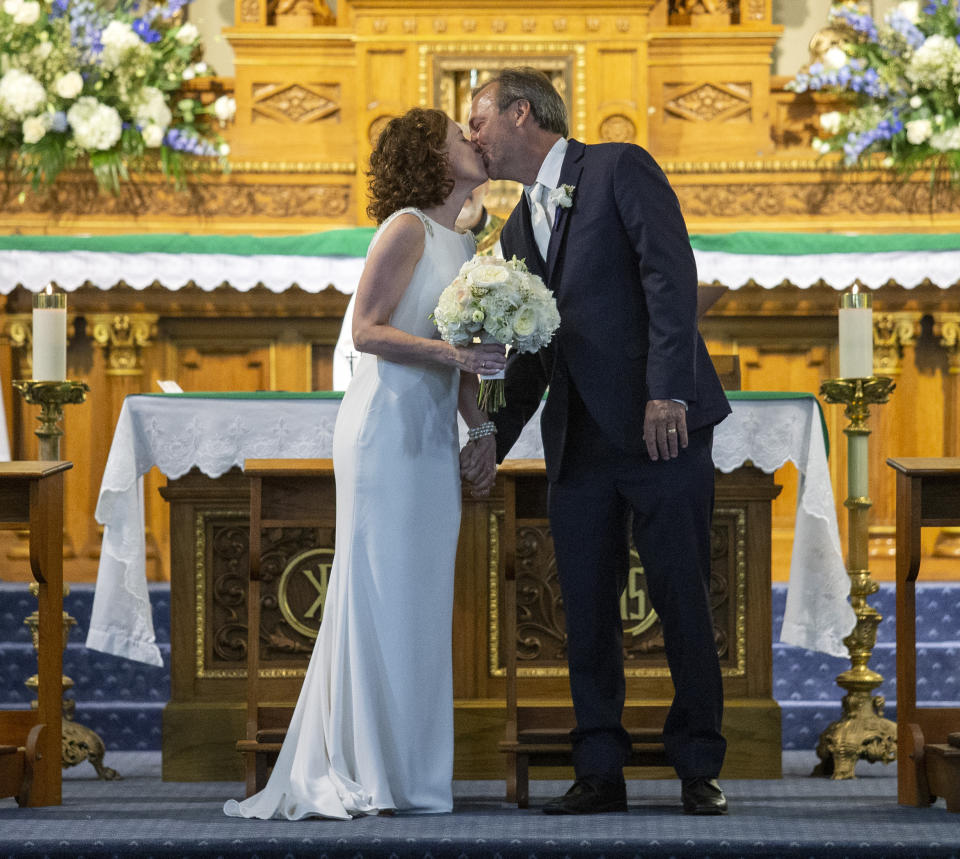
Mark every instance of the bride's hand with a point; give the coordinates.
(484, 359)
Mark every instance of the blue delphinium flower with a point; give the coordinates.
(143, 29)
(902, 25)
(861, 23)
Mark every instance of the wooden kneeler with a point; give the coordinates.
(539, 735)
(31, 497)
(282, 495)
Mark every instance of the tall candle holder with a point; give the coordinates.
(51, 397)
(862, 731)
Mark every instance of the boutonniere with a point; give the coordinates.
(562, 196)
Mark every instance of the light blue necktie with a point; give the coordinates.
(539, 217)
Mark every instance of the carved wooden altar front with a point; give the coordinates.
(210, 540)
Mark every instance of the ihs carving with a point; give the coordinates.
(300, 103)
(593, 24)
(623, 25)
(469, 25)
(380, 25)
(528, 25)
(440, 25)
(618, 129)
(498, 25)
(560, 24)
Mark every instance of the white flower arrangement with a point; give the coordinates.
(902, 76)
(497, 300)
(99, 82)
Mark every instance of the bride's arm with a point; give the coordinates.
(385, 278)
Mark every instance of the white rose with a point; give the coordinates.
(910, 9)
(149, 106)
(34, 128)
(118, 41)
(200, 68)
(69, 85)
(916, 102)
(224, 149)
(153, 136)
(11, 7)
(21, 94)
(225, 108)
(830, 122)
(525, 321)
(28, 13)
(485, 275)
(187, 34)
(835, 58)
(919, 130)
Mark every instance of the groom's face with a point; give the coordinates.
(492, 132)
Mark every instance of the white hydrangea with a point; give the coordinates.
(918, 131)
(68, 85)
(42, 50)
(11, 7)
(946, 141)
(34, 128)
(118, 41)
(936, 63)
(188, 34)
(28, 13)
(95, 125)
(153, 135)
(21, 94)
(149, 106)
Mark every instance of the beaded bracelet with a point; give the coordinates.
(482, 430)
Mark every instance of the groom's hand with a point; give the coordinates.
(665, 429)
(478, 465)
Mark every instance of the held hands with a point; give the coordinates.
(484, 359)
(478, 465)
(665, 429)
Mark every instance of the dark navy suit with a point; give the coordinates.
(620, 265)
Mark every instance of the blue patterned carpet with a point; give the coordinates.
(797, 816)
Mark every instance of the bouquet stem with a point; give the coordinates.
(491, 397)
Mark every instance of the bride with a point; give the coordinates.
(373, 727)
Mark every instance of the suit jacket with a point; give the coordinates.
(622, 270)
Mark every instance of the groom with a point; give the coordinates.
(627, 426)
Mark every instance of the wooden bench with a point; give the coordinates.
(31, 497)
(928, 738)
(282, 495)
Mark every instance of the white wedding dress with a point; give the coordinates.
(373, 727)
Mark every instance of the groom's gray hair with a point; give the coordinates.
(533, 86)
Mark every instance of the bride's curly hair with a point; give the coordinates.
(409, 165)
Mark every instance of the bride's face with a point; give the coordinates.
(466, 165)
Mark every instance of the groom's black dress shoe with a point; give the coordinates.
(702, 796)
(589, 795)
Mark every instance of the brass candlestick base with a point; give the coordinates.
(862, 731)
(51, 397)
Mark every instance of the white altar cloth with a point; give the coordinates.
(178, 432)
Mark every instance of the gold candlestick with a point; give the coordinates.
(51, 397)
(78, 742)
(862, 731)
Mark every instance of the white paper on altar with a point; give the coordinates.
(177, 434)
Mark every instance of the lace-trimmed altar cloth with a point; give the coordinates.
(214, 432)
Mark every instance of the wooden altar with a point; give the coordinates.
(206, 714)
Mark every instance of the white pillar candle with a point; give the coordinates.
(50, 336)
(856, 335)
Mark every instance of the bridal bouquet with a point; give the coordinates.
(497, 300)
(99, 82)
(902, 75)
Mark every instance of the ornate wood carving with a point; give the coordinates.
(891, 333)
(706, 102)
(297, 102)
(618, 129)
(123, 336)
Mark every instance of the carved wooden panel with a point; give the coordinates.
(298, 103)
(541, 639)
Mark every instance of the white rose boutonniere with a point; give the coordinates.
(562, 196)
